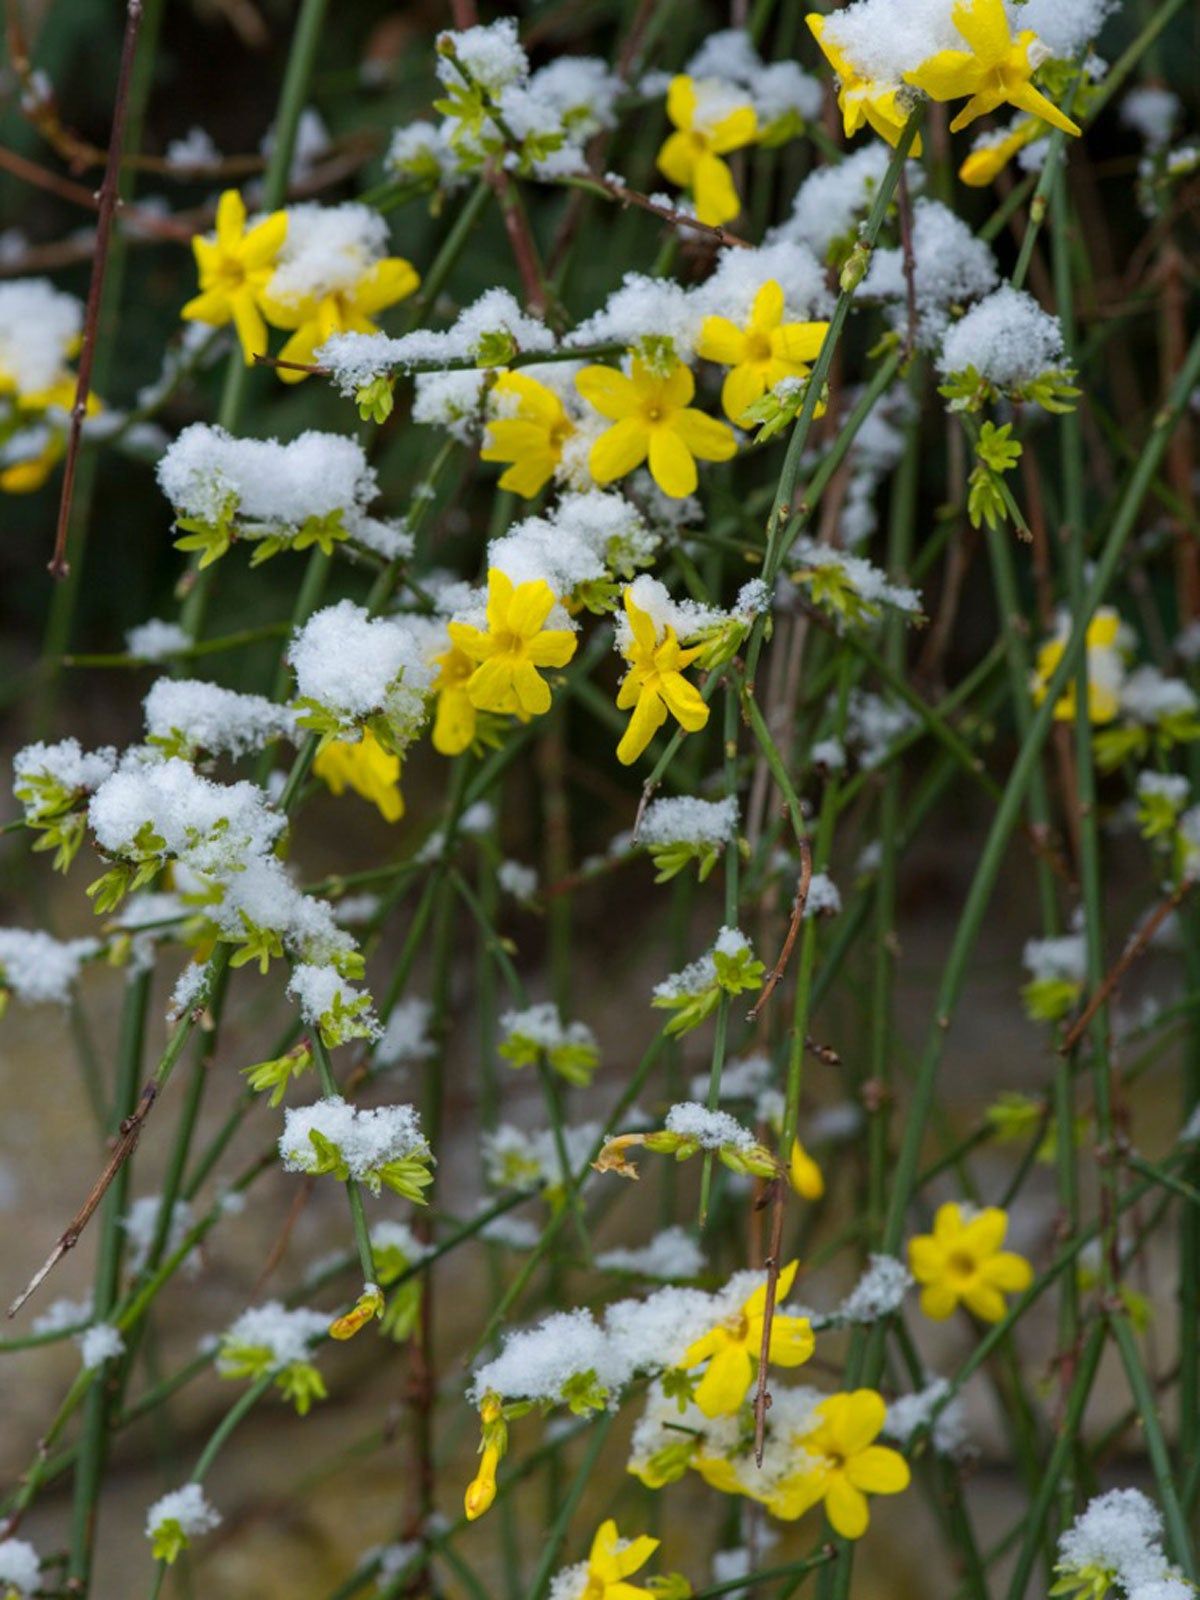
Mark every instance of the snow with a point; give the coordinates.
(1007, 338)
(140, 1224)
(1065, 26)
(824, 896)
(188, 1507)
(1120, 1532)
(711, 1130)
(66, 763)
(885, 40)
(316, 474)
(38, 328)
(1147, 696)
(832, 198)
(879, 1292)
(36, 967)
(285, 1335)
(912, 1411)
(99, 1343)
(702, 973)
(367, 1139)
(19, 1566)
(1152, 113)
(867, 581)
(644, 308)
(491, 54)
(731, 289)
(157, 640)
(327, 250)
(684, 819)
(405, 1036)
(356, 665)
(354, 359)
(215, 719)
(950, 267)
(517, 880)
(673, 1253)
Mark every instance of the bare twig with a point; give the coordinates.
(774, 1198)
(109, 198)
(910, 266)
(126, 1144)
(798, 905)
(624, 196)
(1133, 950)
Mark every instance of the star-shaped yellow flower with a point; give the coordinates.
(652, 419)
(962, 1260)
(612, 1560)
(860, 97)
(655, 684)
(515, 644)
(761, 354)
(348, 310)
(732, 1348)
(844, 1465)
(235, 266)
(532, 438)
(366, 767)
(996, 70)
(691, 156)
(454, 719)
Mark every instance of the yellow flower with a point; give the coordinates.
(806, 1176)
(732, 1349)
(655, 684)
(962, 1260)
(845, 1465)
(1105, 670)
(366, 767)
(997, 69)
(612, 1560)
(345, 311)
(235, 266)
(24, 477)
(651, 417)
(515, 645)
(861, 98)
(481, 1490)
(532, 438)
(988, 160)
(454, 719)
(691, 156)
(761, 354)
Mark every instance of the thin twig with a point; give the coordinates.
(773, 1198)
(1135, 948)
(624, 196)
(126, 1144)
(109, 198)
(798, 905)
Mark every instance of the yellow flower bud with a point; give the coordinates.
(806, 1177)
(481, 1490)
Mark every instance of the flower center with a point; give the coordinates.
(654, 412)
(231, 272)
(960, 1264)
(738, 1326)
(758, 346)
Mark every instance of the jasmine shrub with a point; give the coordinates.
(693, 485)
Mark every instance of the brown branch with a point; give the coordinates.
(78, 194)
(276, 1253)
(1133, 950)
(126, 1143)
(676, 219)
(910, 264)
(774, 1198)
(798, 905)
(109, 196)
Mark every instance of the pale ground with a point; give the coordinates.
(301, 1545)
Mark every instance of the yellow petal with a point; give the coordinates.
(738, 128)
(454, 722)
(846, 1507)
(681, 102)
(611, 393)
(799, 341)
(1007, 1271)
(713, 189)
(385, 283)
(649, 714)
(1032, 100)
(231, 221)
(499, 597)
(984, 1234)
(529, 607)
(618, 450)
(527, 477)
(211, 307)
(948, 75)
(490, 686)
(938, 1301)
(987, 1303)
(984, 26)
(683, 701)
(553, 647)
(671, 463)
(264, 241)
(726, 1379)
(721, 341)
(531, 689)
(792, 1341)
(251, 329)
(704, 436)
(768, 307)
(878, 1470)
(742, 387)
(677, 159)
